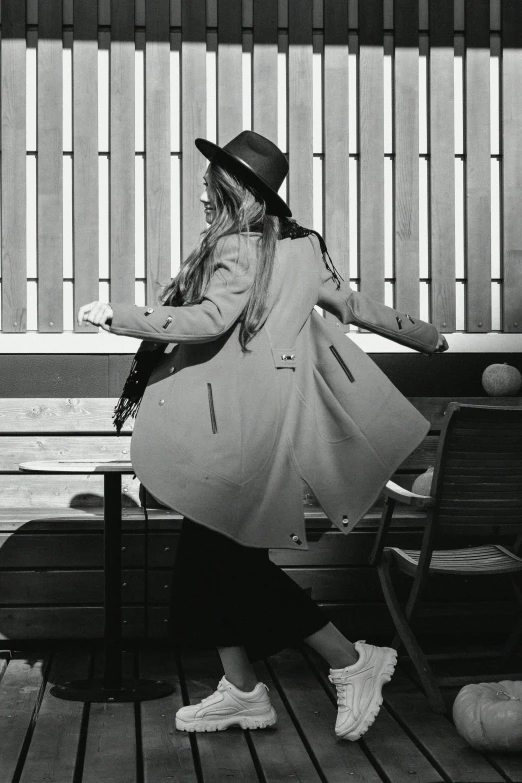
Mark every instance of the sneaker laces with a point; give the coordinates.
(341, 691)
(220, 687)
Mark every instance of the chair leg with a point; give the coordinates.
(418, 658)
(513, 642)
(515, 637)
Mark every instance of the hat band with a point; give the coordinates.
(249, 167)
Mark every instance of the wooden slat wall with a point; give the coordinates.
(85, 159)
(50, 167)
(442, 166)
(512, 168)
(478, 169)
(264, 69)
(122, 151)
(157, 144)
(336, 140)
(193, 122)
(13, 140)
(406, 196)
(229, 70)
(300, 117)
(303, 73)
(371, 148)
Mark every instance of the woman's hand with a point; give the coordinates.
(97, 313)
(442, 344)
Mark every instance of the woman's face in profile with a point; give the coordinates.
(207, 203)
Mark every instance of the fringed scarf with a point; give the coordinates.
(149, 353)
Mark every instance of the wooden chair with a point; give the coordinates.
(477, 488)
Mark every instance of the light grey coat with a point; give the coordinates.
(225, 437)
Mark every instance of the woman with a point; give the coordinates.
(243, 392)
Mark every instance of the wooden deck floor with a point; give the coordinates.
(47, 740)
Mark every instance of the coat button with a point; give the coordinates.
(161, 402)
(171, 370)
(149, 311)
(345, 521)
(295, 538)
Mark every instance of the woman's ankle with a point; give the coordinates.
(342, 660)
(246, 685)
(335, 648)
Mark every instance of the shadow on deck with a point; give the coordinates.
(48, 740)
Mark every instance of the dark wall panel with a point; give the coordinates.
(441, 375)
(54, 375)
(86, 375)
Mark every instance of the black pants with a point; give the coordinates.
(225, 594)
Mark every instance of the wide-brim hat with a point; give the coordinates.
(257, 162)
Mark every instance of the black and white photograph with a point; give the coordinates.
(260, 396)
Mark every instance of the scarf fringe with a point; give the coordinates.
(290, 228)
(135, 385)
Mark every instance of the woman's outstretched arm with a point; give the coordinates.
(353, 307)
(224, 300)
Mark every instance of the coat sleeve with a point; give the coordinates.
(353, 307)
(225, 299)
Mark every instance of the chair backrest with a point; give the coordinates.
(477, 481)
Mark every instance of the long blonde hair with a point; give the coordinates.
(237, 209)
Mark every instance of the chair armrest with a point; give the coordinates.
(393, 490)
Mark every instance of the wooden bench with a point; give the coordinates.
(51, 536)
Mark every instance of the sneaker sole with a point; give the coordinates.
(245, 722)
(388, 667)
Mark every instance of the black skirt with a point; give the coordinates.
(225, 594)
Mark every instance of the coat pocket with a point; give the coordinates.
(213, 421)
(344, 367)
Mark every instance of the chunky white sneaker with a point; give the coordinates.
(227, 706)
(359, 688)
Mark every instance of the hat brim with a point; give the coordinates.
(215, 154)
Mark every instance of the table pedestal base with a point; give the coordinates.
(98, 691)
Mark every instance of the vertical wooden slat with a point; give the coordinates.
(50, 167)
(406, 147)
(264, 92)
(512, 163)
(371, 147)
(13, 97)
(336, 121)
(104, 12)
(122, 152)
(229, 70)
(442, 165)
(193, 123)
(157, 145)
(300, 135)
(478, 167)
(85, 156)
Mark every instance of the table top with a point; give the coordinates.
(77, 466)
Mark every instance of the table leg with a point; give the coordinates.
(112, 511)
(112, 687)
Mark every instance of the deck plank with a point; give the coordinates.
(223, 755)
(282, 753)
(305, 698)
(167, 753)
(19, 691)
(54, 745)
(436, 735)
(110, 751)
(407, 741)
(510, 764)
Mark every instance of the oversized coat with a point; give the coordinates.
(225, 436)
